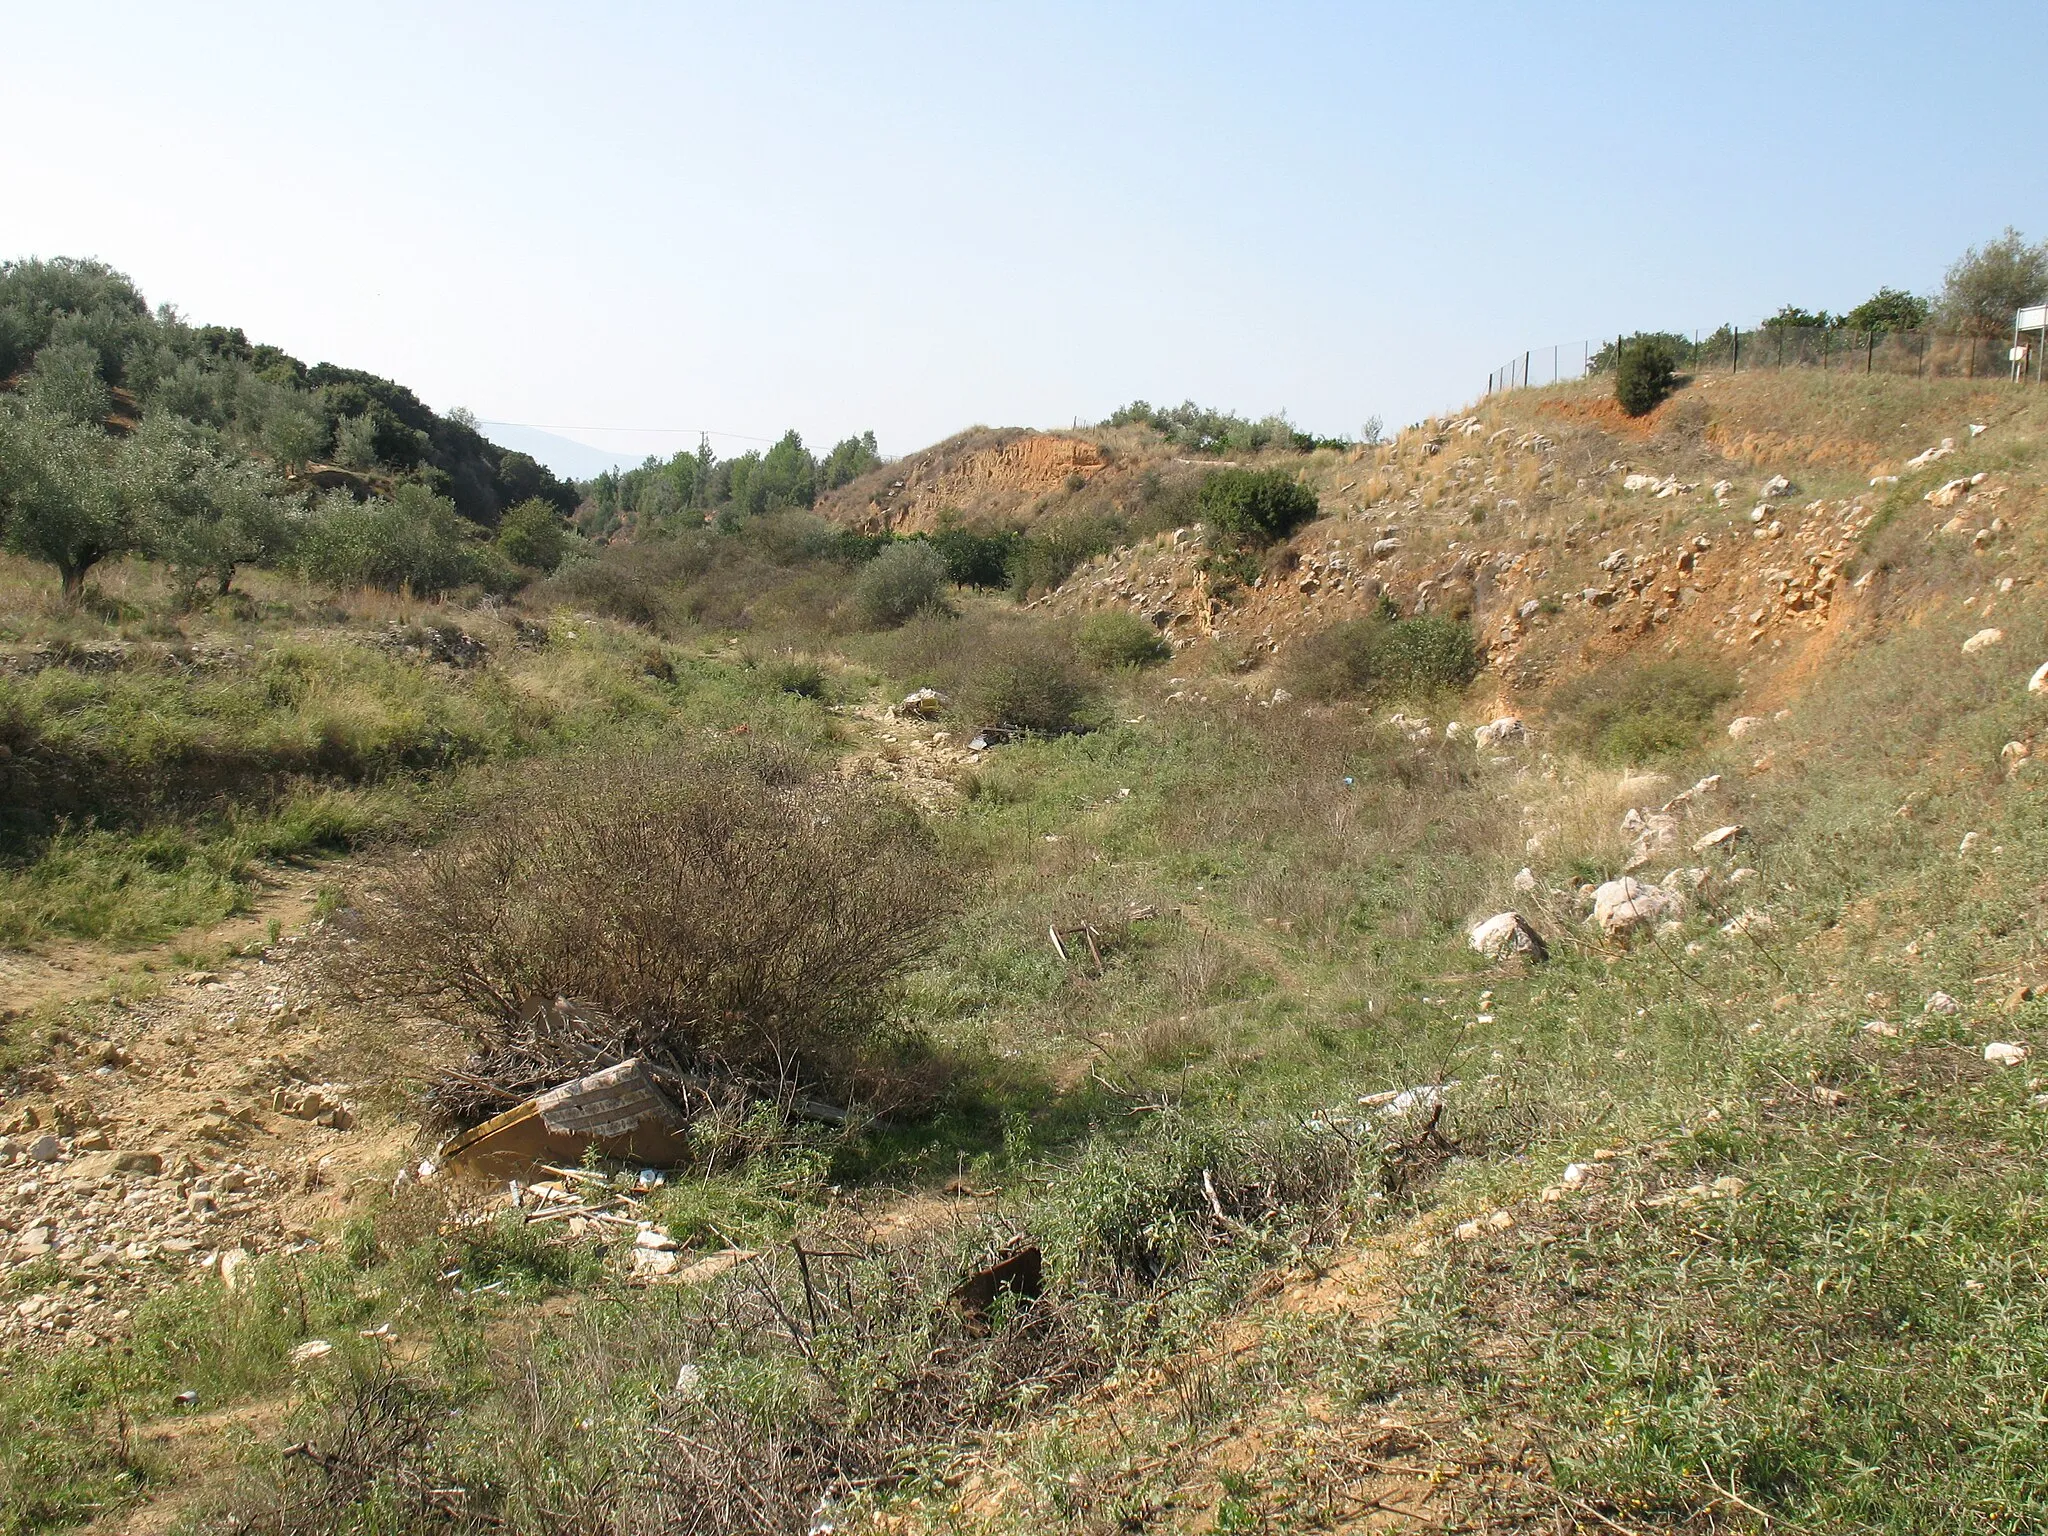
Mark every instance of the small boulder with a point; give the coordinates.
(656, 1261)
(2038, 683)
(1508, 934)
(234, 1269)
(2005, 1053)
(45, 1149)
(1622, 906)
(1776, 486)
(1718, 840)
(1742, 725)
(1504, 732)
(1941, 1003)
(1983, 640)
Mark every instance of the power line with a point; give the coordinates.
(556, 426)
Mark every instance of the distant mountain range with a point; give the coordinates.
(565, 456)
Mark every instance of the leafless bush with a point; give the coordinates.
(374, 1446)
(894, 1371)
(723, 913)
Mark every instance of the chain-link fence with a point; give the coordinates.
(1834, 349)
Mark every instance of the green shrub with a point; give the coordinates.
(1645, 374)
(1121, 640)
(531, 534)
(1640, 711)
(1386, 657)
(977, 557)
(1228, 569)
(415, 541)
(1051, 552)
(610, 585)
(1029, 682)
(800, 675)
(1255, 506)
(901, 582)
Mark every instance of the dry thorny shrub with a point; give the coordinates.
(724, 914)
(803, 1380)
(813, 1373)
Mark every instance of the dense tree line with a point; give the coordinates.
(692, 488)
(1200, 429)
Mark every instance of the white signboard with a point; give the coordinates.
(2034, 318)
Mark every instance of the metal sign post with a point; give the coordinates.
(2031, 320)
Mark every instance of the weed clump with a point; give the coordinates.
(789, 672)
(1255, 506)
(1143, 1209)
(1638, 712)
(1121, 640)
(716, 914)
(1384, 657)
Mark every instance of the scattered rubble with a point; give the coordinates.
(157, 1154)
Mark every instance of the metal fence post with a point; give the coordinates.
(1869, 350)
(1735, 349)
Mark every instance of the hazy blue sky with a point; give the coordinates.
(916, 217)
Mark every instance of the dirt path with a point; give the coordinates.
(75, 970)
(225, 1111)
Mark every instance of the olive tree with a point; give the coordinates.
(207, 514)
(65, 383)
(69, 493)
(1984, 289)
